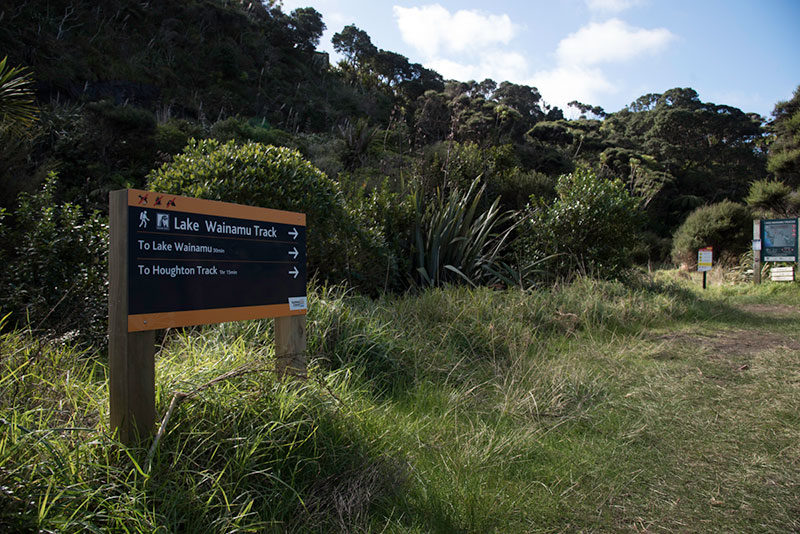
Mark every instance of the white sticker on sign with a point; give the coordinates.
(298, 303)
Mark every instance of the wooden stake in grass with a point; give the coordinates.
(290, 345)
(131, 355)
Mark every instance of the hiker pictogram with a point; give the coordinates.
(143, 219)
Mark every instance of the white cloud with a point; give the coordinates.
(473, 45)
(577, 75)
(566, 83)
(455, 70)
(463, 45)
(494, 64)
(611, 5)
(433, 30)
(610, 41)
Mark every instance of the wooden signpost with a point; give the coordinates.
(179, 261)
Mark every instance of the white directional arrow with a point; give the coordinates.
(295, 272)
(294, 233)
(293, 253)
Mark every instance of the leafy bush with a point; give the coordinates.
(725, 226)
(590, 227)
(453, 164)
(124, 118)
(97, 148)
(273, 177)
(54, 265)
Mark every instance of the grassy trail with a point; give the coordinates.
(683, 425)
(594, 407)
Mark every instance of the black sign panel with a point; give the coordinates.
(779, 240)
(184, 261)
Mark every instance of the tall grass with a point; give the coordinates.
(587, 407)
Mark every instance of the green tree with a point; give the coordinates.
(784, 151)
(355, 44)
(585, 109)
(306, 22)
(768, 198)
(701, 152)
(524, 99)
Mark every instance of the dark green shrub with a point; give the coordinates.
(386, 219)
(453, 164)
(271, 177)
(241, 131)
(54, 266)
(124, 118)
(98, 148)
(515, 187)
(726, 226)
(590, 227)
(173, 135)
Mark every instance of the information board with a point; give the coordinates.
(705, 259)
(193, 261)
(779, 240)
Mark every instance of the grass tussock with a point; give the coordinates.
(594, 406)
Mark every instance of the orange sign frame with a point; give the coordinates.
(190, 205)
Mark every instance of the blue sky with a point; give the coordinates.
(600, 52)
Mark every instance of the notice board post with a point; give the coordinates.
(757, 251)
(179, 261)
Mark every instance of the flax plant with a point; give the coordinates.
(455, 240)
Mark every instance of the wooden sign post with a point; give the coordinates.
(757, 251)
(131, 355)
(179, 261)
